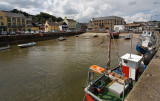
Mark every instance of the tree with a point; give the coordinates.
(59, 19)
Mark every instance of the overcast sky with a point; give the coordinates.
(84, 10)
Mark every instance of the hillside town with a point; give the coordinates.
(17, 23)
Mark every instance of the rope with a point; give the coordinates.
(115, 48)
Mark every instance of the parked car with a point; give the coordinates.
(52, 31)
(68, 30)
(37, 32)
(46, 31)
(26, 32)
(13, 33)
(4, 33)
(32, 32)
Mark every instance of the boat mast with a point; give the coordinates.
(130, 41)
(109, 50)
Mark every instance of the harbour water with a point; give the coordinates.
(55, 70)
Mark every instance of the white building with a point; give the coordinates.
(118, 28)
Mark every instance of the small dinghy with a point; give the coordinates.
(61, 38)
(27, 45)
(128, 36)
(5, 47)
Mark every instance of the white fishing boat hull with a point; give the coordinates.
(27, 45)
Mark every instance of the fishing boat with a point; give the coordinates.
(4, 47)
(61, 38)
(147, 42)
(114, 35)
(27, 44)
(114, 84)
(128, 36)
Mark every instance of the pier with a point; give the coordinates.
(147, 88)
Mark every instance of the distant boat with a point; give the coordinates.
(128, 36)
(27, 45)
(114, 35)
(4, 47)
(61, 38)
(95, 35)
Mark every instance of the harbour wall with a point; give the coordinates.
(24, 38)
(148, 86)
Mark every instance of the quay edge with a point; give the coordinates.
(18, 39)
(147, 88)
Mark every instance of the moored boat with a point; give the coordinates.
(128, 36)
(114, 84)
(4, 47)
(114, 35)
(61, 38)
(27, 45)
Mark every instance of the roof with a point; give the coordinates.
(107, 17)
(134, 58)
(71, 20)
(52, 23)
(9, 14)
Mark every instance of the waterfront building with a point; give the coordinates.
(83, 26)
(71, 23)
(33, 27)
(62, 26)
(107, 22)
(12, 22)
(78, 26)
(51, 26)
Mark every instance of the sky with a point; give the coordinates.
(85, 10)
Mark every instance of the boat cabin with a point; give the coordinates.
(131, 64)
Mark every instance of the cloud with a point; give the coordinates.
(84, 10)
(132, 3)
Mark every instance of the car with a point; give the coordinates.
(4, 33)
(26, 32)
(52, 31)
(13, 33)
(46, 31)
(32, 32)
(37, 32)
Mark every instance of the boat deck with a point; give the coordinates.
(106, 95)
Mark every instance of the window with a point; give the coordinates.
(14, 24)
(8, 19)
(13, 20)
(9, 24)
(1, 17)
(2, 23)
(18, 20)
(23, 20)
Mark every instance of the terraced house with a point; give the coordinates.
(12, 22)
(71, 23)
